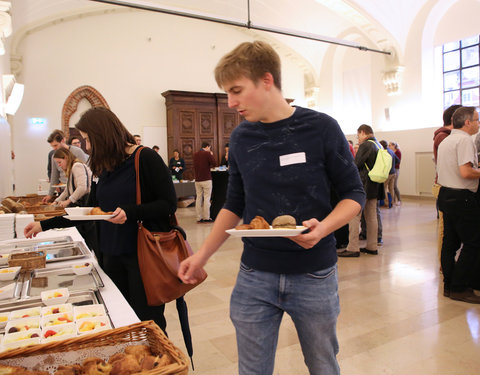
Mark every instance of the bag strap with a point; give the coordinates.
(137, 173)
(375, 143)
(173, 218)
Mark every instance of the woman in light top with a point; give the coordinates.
(79, 178)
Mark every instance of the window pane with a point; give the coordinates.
(451, 61)
(451, 98)
(470, 41)
(451, 46)
(470, 77)
(451, 81)
(470, 56)
(470, 97)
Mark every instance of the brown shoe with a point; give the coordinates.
(466, 295)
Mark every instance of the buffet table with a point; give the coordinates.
(120, 312)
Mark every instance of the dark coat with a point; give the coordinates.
(367, 154)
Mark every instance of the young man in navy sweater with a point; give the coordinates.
(282, 161)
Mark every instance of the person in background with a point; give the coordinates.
(57, 140)
(177, 165)
(138, 139)
(439, 135)
(390, 183)
(458, 175)
(352, 149)
(269, 155)
(113, 149)
(365, 160)
(203, 161)
(156, 149)
(394, 147)
(75, 141)
(224, 160)
(79, 177)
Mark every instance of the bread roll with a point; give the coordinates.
(243, 227)
(284, 222)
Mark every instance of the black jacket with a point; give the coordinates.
(158, 196)
(367, 154)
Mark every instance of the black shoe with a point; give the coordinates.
(200, 221)
(362, 237)
(446, 292)
(380, 242)
(366, 251)
(348, 254)
(341, 246)
(466, 296)
(207, 221)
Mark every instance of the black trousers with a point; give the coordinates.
(461, 222)
(125, 273)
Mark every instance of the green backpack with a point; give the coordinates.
(381, 168)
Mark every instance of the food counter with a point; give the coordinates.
(120, 312)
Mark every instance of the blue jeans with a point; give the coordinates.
(258, 302)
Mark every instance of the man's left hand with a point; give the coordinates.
(310, 239)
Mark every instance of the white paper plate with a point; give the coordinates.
(266, 232)
(88, 217)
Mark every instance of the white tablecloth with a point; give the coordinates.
(118, 308)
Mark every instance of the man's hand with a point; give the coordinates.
(189, 269)
(119, 216)
(310, 239)
(47, 199)
(32, 229)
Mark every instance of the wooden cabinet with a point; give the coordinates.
(196, 117)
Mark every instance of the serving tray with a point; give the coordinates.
(40, 280)
(56, 251)
(76, 299)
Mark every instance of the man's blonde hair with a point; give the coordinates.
(250, 60)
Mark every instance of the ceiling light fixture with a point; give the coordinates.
(249, 25)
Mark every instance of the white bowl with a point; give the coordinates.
(25, 324)
(9, 273)
(21, 339)
(89, 311)
(92, 325)
(25, 313)
(55, 296)
(82, 268)
(57, 309)
(75, 211)
(57, 319)
(62, 332)
(4, 317)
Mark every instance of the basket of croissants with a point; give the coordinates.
(144, 349)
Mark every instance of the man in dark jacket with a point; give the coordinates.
(365, 160)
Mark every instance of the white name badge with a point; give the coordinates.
(289, 159)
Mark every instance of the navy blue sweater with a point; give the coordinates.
(260, 185)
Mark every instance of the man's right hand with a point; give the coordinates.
(189, 269)
(47, 199)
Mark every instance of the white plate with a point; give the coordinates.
(88, 217)
(266, 232)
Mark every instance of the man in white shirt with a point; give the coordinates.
(57, 140)
(458, 173)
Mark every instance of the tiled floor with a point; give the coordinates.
(394, 319)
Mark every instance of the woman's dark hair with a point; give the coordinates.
(108, 139)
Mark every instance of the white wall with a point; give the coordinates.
(130, 58)
(6, 163)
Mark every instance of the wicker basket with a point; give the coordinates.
(135, 333)
(32, 199)
(28, 260)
